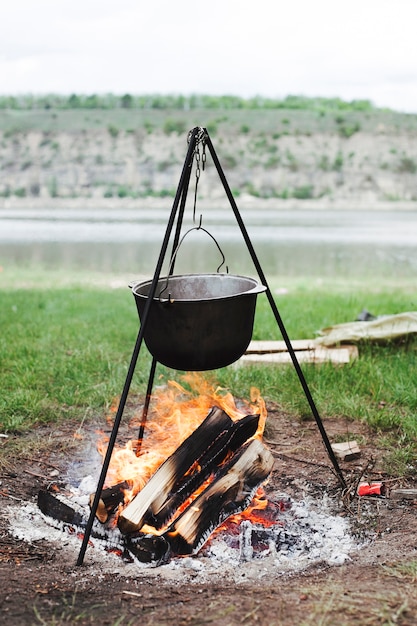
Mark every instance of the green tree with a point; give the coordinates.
(126, 101)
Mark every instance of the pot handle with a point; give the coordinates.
(199, 227)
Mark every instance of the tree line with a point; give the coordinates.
(178, 102)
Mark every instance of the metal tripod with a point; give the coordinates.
(196, 136)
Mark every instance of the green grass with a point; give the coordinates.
(65, 351)
(383, 375)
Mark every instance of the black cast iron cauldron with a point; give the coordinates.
(198, 322)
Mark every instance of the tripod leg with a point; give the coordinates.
(146, 406)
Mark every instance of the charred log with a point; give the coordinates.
(58, 510)
(110, 499)
(149, 548)
(226, 444)
(230, 493)
(186, 469)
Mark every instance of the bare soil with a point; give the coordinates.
(41, 584)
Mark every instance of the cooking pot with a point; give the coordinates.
(198, 322)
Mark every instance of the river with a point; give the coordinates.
(287, 242)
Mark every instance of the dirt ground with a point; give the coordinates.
(41, 584)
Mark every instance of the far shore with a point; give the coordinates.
(243, 202)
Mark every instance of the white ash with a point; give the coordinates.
(306, 534)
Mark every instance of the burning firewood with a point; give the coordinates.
(186, 469)
(110, 499)
(228, 442)
(230, 493)
(156, 491)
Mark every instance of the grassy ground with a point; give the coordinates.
(65, 350)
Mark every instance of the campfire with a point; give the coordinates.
(201, 463)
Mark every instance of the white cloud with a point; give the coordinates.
(360, 49)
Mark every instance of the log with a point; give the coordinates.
(228, 442)
(186, 469)
(346, 450)
(230, 493)
(58, 510)
(149, 548)
(110, 499)
(403, 494)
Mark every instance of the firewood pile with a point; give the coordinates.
(212, 474)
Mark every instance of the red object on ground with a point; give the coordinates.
(371, 489)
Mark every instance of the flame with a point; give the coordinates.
(257, 512)
(176, 410)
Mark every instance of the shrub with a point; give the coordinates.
(292, 161)
(211, 128)
(174, 126)
(407, 165)
(126, 101)
(53, 187)
(35, 189)
(229, 161)
(338, 162)
(324, 163)
(272, 162)
(304, 192)
(123, 191)
(347, 131)
(113, 130)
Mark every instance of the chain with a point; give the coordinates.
(200, 139)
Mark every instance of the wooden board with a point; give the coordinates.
(346, 450)
(265, 347)
(306, 351)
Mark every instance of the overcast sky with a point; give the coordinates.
(354, 49)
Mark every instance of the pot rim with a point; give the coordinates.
(256, 289)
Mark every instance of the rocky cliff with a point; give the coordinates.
(364, 160)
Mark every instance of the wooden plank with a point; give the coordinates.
(346, 450)
(403, 494)
(338, 356)
(264, 347)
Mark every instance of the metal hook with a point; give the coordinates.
(199, 227)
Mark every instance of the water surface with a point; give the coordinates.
(287, 242)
